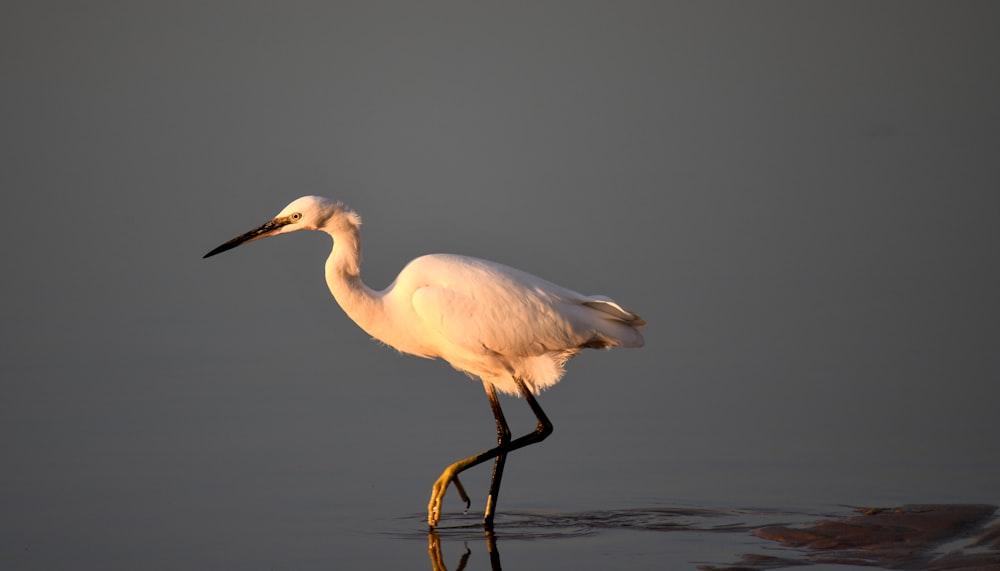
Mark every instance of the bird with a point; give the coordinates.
(510, 329)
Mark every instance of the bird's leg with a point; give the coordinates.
(542, 430)
(544, 427)
(461, 492)
(450, 473)
(503, 441)
(503, 437)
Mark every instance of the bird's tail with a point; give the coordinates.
(620, 326)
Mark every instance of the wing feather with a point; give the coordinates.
(485, 306)
(493, 318)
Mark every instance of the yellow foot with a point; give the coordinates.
(437, 494)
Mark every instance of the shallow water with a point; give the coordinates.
(913, 537)
(605, 538)
(236, 513)
(165, 470)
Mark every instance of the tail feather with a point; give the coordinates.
(620, 326)
(608, 306)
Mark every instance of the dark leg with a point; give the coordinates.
(542, 430)
(503, 441)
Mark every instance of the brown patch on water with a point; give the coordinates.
(907, 537)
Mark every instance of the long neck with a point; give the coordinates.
(343, 277)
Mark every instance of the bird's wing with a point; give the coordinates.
(493, 308)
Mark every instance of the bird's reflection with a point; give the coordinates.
(437, 559)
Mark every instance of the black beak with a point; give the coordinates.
(264, 230)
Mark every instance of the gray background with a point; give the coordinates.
(799, 197)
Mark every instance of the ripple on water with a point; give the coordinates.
(528, 525)
(920, 536)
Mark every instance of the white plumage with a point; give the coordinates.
(495, 322)
(507, 327)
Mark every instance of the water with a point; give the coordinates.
(799, 199)
(187, 473)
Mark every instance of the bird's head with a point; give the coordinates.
(305, 213)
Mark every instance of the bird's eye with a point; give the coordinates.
(296, 217)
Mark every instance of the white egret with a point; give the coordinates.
(512, 330)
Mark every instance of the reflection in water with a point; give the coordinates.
(542, 524)
(514, 526)
(437, 559)
(944, 536)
